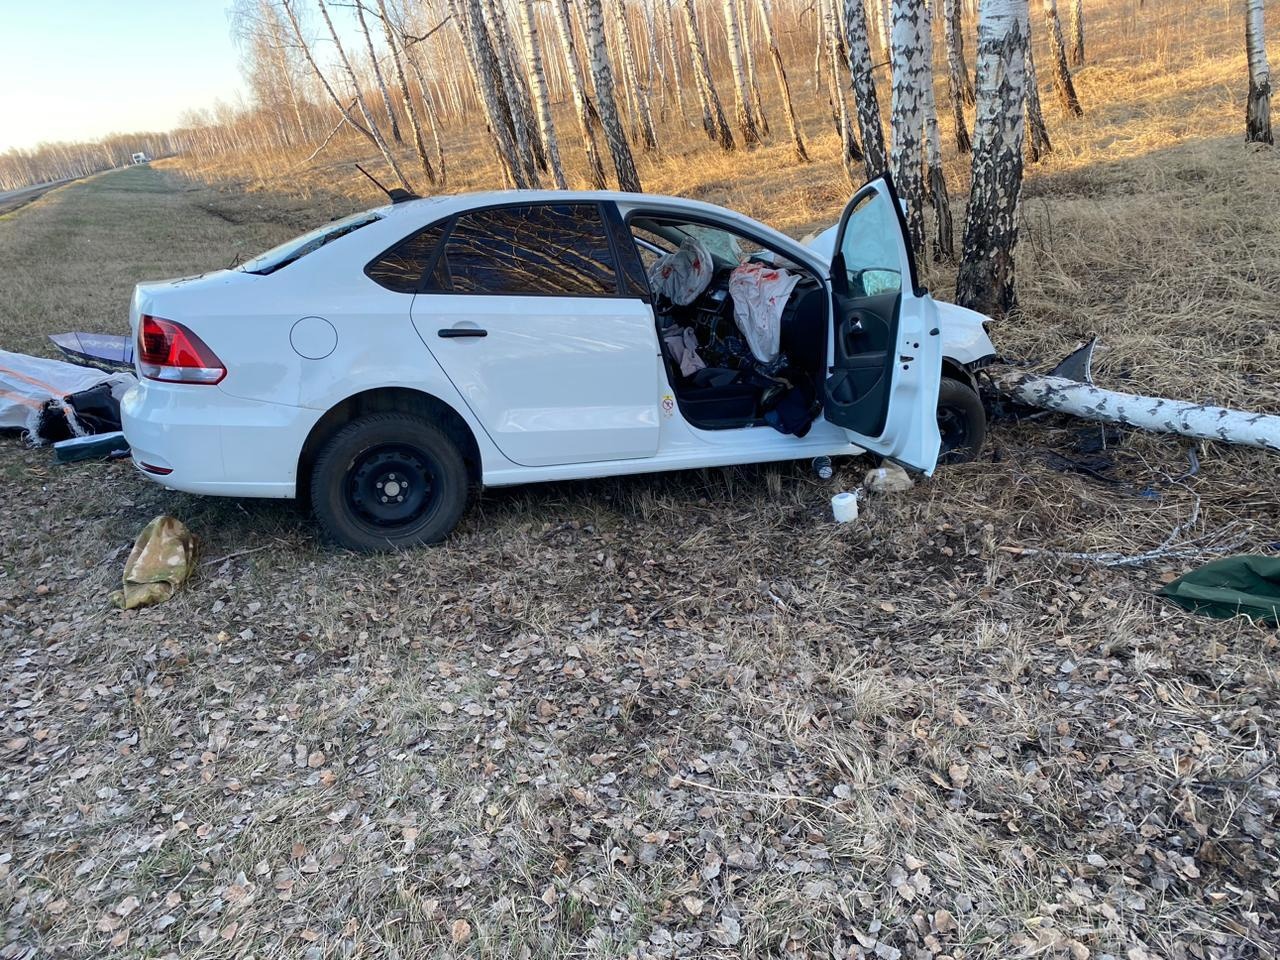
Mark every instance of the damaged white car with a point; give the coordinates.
(387, 364)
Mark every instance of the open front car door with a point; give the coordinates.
(886, 360)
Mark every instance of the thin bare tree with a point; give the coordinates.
(775, 54)
(749, 61)
(1037, 132)
(515, 94)
(538, 80)
(377, 74)
(602, 73)
(874, 159)
(713, 112)
(985, 281)
(837, 52)
(643, 113)
(588, 120)
(741, 88)
(406, 100)
(1257, 125)
(1077, 33)
(1061, 72)
(369, 129)
(959, 86)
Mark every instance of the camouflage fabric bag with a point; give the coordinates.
(163, 556)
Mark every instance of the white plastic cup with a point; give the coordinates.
(844, 506)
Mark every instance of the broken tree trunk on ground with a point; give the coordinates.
(1069, 388)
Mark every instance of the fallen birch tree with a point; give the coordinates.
(1069, 388)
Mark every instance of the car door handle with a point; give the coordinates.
(451, 332)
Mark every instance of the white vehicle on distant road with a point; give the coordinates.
(388, 364)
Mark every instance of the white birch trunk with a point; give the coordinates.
(1258, 109)
(582, 106)
(499, 50)
(1061, 72)
(1038, 143)
(538, 81)
(717, 125)
(741, 89)
(1155, 414)
(1077, 33)
(797, 138)
(959, 88)
(471, 21)
(377, 76)
(749, 61)
(850, 153)
(601, 71)
(866, 100)
(943, 228)
(907, 111)
(985, 280)
(406, 100)
(639, 90)
(374, 133)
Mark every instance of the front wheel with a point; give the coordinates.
(388, 481)
(962, 421)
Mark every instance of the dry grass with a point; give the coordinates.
(685, 714)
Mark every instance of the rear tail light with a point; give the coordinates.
(170, 352)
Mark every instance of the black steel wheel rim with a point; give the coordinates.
(392, 485)
(954, 428)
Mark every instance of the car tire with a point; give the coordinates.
(962, 421)
(389, 481)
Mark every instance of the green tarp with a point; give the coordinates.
(1244, 585)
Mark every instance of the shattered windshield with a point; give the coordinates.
(299, 247)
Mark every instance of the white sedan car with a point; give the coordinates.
(388, 364)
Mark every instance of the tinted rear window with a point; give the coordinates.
(402, 267)
(551, 249)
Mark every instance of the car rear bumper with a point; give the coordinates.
(199, 439)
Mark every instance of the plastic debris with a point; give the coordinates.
(890, 478)
(162, 558)
(102, 446)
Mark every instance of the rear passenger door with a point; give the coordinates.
(549, 341)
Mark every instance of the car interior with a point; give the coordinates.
(720, 373)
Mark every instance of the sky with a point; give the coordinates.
(80, 69)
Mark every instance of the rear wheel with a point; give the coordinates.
(388, 481)
(962, 421)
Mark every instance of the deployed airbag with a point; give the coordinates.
(683, 275)
(760, 294)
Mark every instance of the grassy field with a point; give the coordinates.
(686, 714)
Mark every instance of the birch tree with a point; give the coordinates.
(908, 38)
(405, 99)
(602, 73)
(741, 89)
(959, 86)
(749, 61)
(797, 139)
(1257, 123)
(369, 129)
(582, 108)
(864, 88)
(482, 66)
(718, 126)
(837, 50)
(1077, 33)
(943, 229)
(985, 281)
(1037, 135)
(639, 90)
(499, 49)
(1061, 72)
(377, 75)
(538, 80)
